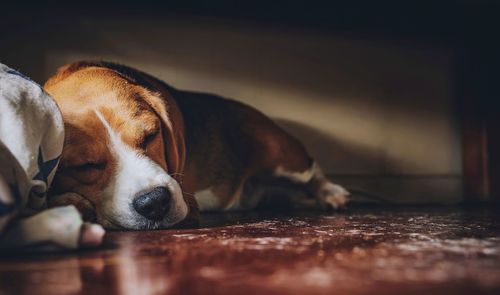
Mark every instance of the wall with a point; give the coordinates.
(377, 113)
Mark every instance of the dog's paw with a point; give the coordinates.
(91, 235)
(332, 196)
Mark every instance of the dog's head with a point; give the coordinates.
(124, 149)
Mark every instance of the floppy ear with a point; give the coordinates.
(172, 130)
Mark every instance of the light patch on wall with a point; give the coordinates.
(360, 106)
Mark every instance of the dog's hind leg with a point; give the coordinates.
(327, 194)
(287, 159)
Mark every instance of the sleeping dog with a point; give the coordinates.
(140, 154)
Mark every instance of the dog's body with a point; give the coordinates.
(145, 155)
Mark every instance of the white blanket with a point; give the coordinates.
(31, 141)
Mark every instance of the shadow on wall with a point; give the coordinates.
(394, 189)
(331, 152)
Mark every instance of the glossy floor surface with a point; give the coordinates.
(363, 251)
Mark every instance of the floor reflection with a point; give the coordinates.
(393, 251)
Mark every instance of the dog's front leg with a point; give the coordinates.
(61, 227)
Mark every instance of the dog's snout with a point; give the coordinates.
(154, 204)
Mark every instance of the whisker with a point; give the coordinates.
(181, 176)
(177, 173)
(189, 194)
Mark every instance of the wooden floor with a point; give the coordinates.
(364, 251)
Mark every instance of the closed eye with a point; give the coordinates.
(149, 138)
(90, 166)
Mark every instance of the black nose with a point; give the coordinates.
(154, 204)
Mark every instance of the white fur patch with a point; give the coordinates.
(301, 177)
(328, 193)
(135, 174)
(207, 200)
(332, 194)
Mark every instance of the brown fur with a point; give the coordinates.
(206, 141)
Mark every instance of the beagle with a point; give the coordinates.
(140, 154)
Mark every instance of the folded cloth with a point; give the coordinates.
(31, 142)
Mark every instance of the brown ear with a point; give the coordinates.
(66, 70)
(172, 130)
